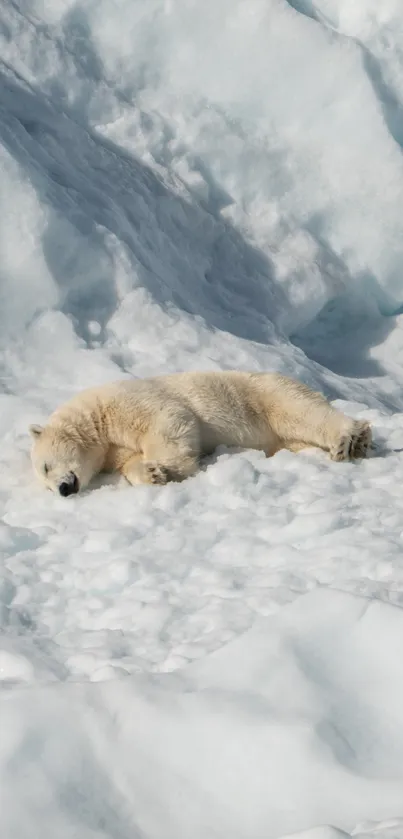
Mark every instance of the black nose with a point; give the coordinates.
(69, 486)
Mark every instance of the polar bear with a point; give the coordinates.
(155, 430)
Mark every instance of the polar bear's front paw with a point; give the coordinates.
(155, 473)
(354, 444)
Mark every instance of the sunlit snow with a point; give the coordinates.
(194, 185)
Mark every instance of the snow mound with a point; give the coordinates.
(137, 152)
(189, 185)
(295, 724)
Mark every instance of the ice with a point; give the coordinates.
(202, 186)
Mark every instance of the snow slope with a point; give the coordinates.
(295, 723)
(202, 186)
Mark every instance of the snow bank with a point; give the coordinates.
(186, 186)
(295, 724)
(247, 198)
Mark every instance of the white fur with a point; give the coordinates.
(154, 430)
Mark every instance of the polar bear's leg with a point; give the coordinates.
(138, 471)
(295, 446)
(303, 418)
(169, 453)
(174, 459)
(178, 458)
(344, 438)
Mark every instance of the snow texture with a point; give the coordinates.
(188, 185)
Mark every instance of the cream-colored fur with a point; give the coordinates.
(154, 430)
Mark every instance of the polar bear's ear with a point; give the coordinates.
(35, 431)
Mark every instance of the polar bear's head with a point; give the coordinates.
(61, 460)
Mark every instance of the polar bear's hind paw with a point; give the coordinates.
(361, 441)
(354, 444)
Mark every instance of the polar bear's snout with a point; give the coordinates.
(61, 461)
(69, 485)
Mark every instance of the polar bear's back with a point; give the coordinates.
(231, 407)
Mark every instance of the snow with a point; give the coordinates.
(295, 723)
(202, 186)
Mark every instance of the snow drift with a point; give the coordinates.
(294, 724)
(187, 186)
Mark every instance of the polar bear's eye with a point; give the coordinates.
(46, 468)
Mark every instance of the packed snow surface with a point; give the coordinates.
(189, 185)
(295, 723)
